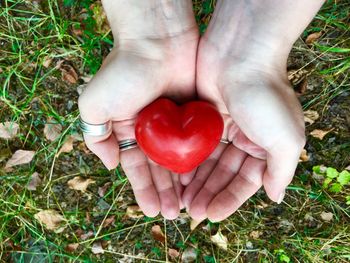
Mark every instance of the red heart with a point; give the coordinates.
(178, 137)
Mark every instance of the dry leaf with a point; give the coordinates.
(301, 87)
(67, 145)
(50, 218)
(220, 240)
(77, 31)
(103, 189)
(109, 221)
(189, 255)
(72, 247)
(320, 133)
(310, 116)
(69, 74)
(47, 62)
(194, 224)
(34, 182)
(255, 234)
(52, 131)
(347, 168)
(80, 184)
(158, 234)
(313, 37)
(134, 211)
(173, 253)
(87, 235)
(327, 216)
(304, 157)
(20, 157)
(97, 248)
(8, 130)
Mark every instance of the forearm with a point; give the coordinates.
(151, 19)
(263, 30)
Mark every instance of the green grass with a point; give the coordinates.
(30, 94)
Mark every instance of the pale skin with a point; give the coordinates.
(240, 67)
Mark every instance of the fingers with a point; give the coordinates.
(107, 150)
(179, 188)
(281, 162)
(135, 165)
(105, 147)
(226, 168)
(163, 182)
(186, 178)
(201, 175)
(245, 184)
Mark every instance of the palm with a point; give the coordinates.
(125, 84)
(260, 114)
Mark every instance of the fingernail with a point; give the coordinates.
(280, 198)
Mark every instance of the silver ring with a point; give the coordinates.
(127, 144)
(95, 129)
(225, 141)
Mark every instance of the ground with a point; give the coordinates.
(49, 51)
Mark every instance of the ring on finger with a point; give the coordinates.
(95, 129)
(127, 144)
(225, 141)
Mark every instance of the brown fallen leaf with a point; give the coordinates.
(194, 224)
(20, 157)
(327, 216)
(80, 184)
(220, 240)
(173, 253)
(310, 116)
(77, 31)
(134, 211)
(52, 131)
(87, 235)
(8, 130)
(47, 62)
(304, 157)
(69, 74)
(320, 133)
(313, 37)
(255, 234)
(51, 219)
(97, 248)
(72, 247)
(103, 189)
(67, 146)
(109, 221)
(34, 182)
(189, 255)
(158, 234)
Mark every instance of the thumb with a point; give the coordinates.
(281, 165)
(105, 147)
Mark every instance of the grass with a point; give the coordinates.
(69, 32)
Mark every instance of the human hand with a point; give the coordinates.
(265, 124)
(241, 68)
(151, 59)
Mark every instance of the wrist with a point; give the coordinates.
(152, 20)
(261, 32)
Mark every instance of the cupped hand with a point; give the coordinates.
(131, 77)
(264, 122)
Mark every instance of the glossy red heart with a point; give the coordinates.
(178, 138)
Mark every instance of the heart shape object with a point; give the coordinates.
(178, 138)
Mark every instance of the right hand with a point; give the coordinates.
(131, 77)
